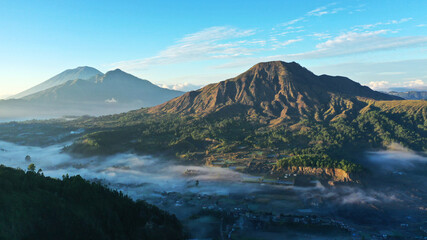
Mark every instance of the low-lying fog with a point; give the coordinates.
(398, 179)
(142, 174)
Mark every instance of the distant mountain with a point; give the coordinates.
(115, 87)
(276, 91)
(411, 95)
(67, 75)
(113, 92)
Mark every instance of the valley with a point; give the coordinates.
(213, 120)
(263, 154)
(220, 202)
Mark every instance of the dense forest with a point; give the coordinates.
(36, 207)
(342, 141)
(318, 161)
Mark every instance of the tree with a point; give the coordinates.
(28, 158)
(32, 167)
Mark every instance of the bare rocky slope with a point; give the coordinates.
(276, 91)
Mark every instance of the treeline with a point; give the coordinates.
(318, 161)
(36, 207)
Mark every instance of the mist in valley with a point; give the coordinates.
(394, 193)
(162, 174)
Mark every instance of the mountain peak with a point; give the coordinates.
(82, 72)
(117, 76)
(115, 72)
(273, 64)
(276, 90)
(276, 71)
(84, 67)
(276, 67)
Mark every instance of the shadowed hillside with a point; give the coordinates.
(36, 207)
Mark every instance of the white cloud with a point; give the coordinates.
(422, 25)
(324, 10)
(294, 27)
(290, 41)
(384, 85)
(359, 42)
(185, 87)
(416, 83)
(210, 43)
(321, 36)
(288, 32)
(379, 85)
(112, 100)
(292, 21)
(349, 38)
(317, 12)
(368, 26)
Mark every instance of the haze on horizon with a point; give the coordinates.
(190, 44)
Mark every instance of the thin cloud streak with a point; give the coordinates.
(210, 43)
(292, 22)
(391, 22)
(354, 42)
(324, 10)
(288, 42)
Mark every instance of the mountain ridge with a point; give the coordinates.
(83, 72)
(113, 92)
(278, 109)
(115, 84)
(277, 91)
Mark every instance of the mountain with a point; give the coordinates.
(274, 111)
(113, 92)
(115, 87)
(411, 95)
(67, 75)
(276, 91)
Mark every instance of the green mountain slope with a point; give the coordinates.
(36, 207)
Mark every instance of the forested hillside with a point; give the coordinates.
(36, 207)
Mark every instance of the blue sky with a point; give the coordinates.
(182, 44)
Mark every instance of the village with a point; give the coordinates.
(232, 217)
